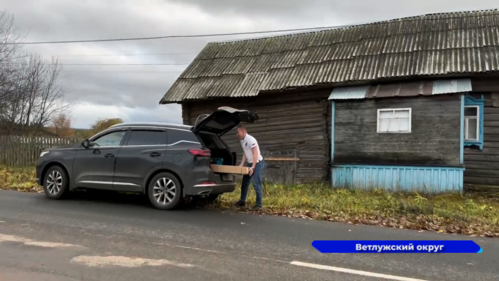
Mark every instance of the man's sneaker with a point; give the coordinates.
(240, 204)
(256, 207)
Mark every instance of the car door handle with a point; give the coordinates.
(109, 155)
(155, 154)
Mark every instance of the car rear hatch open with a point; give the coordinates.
(223, 120)
(219, 123)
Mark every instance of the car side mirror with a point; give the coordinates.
(86, 143)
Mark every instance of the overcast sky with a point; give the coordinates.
(133, 92)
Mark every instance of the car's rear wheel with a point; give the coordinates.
(56, 183)
(165, 191)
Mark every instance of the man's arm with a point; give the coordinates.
(243, 160)
(255, 156)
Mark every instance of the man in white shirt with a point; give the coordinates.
(253, 159)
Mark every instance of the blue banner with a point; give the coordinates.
(396, 246)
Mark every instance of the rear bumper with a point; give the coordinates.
(211, 189)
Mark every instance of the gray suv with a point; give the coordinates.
(167, 162)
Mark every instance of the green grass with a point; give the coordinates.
(475, 213)
(472, 214)
(20, 179)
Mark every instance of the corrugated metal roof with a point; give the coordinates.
(436, 44)
(347, 93)
(451, 86)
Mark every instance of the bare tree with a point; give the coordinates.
(31, 91)
(9, 49)
(38, 95)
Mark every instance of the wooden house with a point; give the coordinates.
(405, 104)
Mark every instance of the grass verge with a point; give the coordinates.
(475, 214)
(20, 179)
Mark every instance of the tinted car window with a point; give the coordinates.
(111, 139)
(175, 136)
(143, 137)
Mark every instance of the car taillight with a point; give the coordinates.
(200, 152)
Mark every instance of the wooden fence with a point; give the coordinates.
(25, 151)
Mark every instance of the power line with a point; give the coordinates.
(111, 71)
(119, 55)
(176, 36)
(107, 64)
(104, 64)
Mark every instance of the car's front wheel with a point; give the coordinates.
(56, 183)
(165, 191)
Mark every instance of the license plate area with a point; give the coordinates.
(227, 177)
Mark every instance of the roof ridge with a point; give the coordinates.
(326, 29)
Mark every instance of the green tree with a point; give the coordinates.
(102, 124)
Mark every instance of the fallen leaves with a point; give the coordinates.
(471, 214)
(20, 179)
(449, 214)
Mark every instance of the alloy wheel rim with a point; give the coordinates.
(54, 182)
(164, 191)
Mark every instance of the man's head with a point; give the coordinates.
(241, 132)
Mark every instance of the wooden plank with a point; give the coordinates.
(485, 151)
(481, 180)
(481, 158)
(281, 159)
(481, 165)
(491, 116)
(482, 173)
(490, 131)
(491, 144)
(491, 138)
(485, 85)
(490, 123)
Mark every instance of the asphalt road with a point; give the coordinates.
(108, 237)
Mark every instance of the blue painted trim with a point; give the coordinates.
(398, 178)
(461, 152)
(471, 101)
(333, 105)
(399, 167)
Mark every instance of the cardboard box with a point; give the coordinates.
(224, 169)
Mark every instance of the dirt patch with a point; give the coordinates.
(99, 261)
(29, 242)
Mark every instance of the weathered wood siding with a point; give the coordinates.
(287, 122)
(482, 166)
(434, 140)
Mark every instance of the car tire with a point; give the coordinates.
(56, 183)
(165, 191)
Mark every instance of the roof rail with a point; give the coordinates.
(150, 124)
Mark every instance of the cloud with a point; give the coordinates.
(133, 92)
(83, 115)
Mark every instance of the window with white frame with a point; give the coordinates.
(394, 120)
(471, 122)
